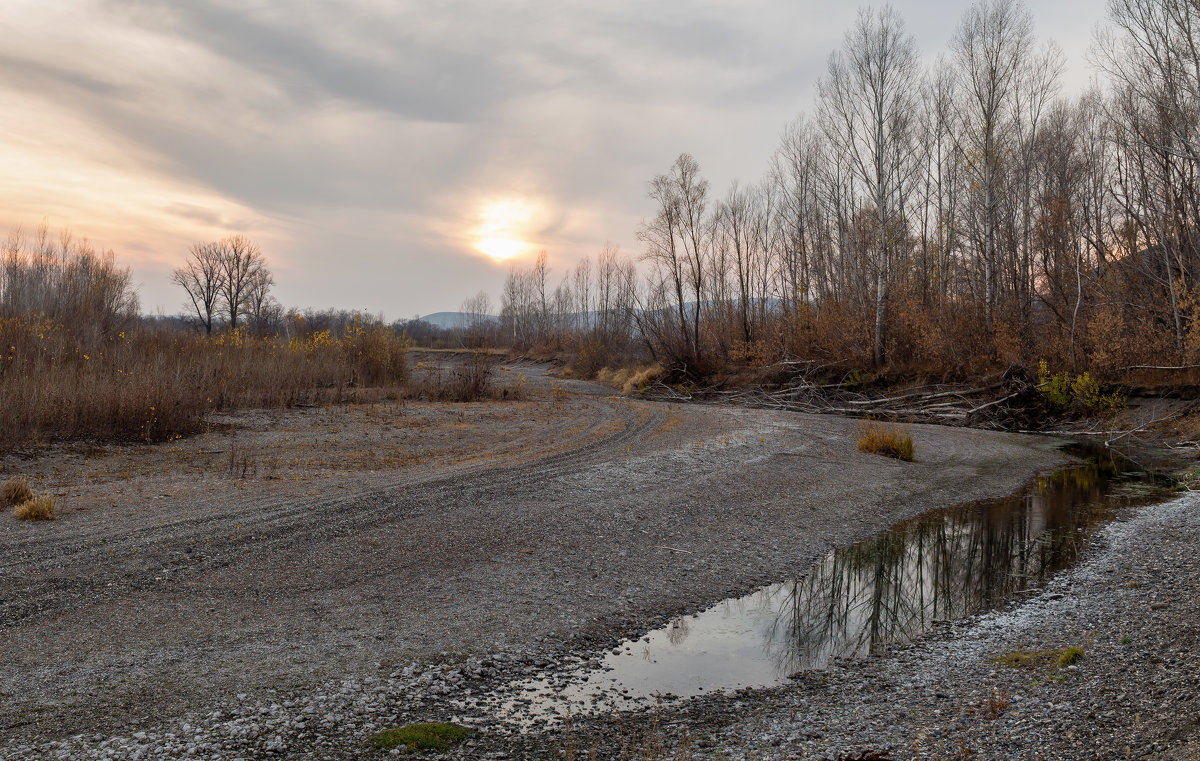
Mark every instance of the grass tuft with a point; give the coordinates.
(877, 437)
(14, 491)
(37, 509)
(631, 379)
(1070, 656)
(431, 736)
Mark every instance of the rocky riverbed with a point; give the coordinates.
(295, 616)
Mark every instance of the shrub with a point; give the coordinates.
(877, 437)
(37, 509)
(435, 736)
(469, 382)
(1060, 393)
(14, 491)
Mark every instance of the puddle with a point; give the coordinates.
(943, 565)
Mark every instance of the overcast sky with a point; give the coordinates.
(379, 151)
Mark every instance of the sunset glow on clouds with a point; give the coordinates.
(399, 156)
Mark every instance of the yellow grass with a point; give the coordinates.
(877, 437)
(630, 379)
(37, 509)
(14, 491)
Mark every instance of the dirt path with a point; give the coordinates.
(312, 545)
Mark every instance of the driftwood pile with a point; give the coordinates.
(1010, 402)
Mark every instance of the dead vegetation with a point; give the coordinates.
(468, 381)
(630, 379)
(151, 384)
(14, 491)
(878, 437)
(37, 509)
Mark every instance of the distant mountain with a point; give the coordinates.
(450, 320)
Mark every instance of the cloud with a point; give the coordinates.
(360, 140)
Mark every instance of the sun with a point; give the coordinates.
(503, 227)
(499, 248)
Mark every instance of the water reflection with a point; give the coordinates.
(946, 565)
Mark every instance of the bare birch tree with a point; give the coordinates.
(868, 100)
(991, 50)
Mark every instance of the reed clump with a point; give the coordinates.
(631, 379)
(878, 437)
(157, 383)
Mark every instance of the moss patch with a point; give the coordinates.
(428, 736)
(1021, 658)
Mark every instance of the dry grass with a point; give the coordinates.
(877, 437)
(159, 384)
(630, 379)
(14, 491)
(37, 509)
(995, 704)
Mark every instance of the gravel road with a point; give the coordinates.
(361, 567)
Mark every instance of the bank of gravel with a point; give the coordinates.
(1132, 607)
(252, 622)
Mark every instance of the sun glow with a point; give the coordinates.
(503, 226)
(500, 248)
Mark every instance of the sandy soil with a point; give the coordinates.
(285, 549)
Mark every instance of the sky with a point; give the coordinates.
(399, 156)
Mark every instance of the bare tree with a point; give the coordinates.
(261, 307)
(477, 311)
(242, 267)
(202, 278)
(70, 280)
(661, 237)
(1152, 56)
(868, 100)
(991, 50)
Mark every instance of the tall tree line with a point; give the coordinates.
(961, 211)
(943, 217)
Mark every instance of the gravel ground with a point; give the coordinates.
(178, 609)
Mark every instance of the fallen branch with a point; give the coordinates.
(1142, 427)
(673, 549)
(973, 410)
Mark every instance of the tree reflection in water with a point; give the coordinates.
(946, 565)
